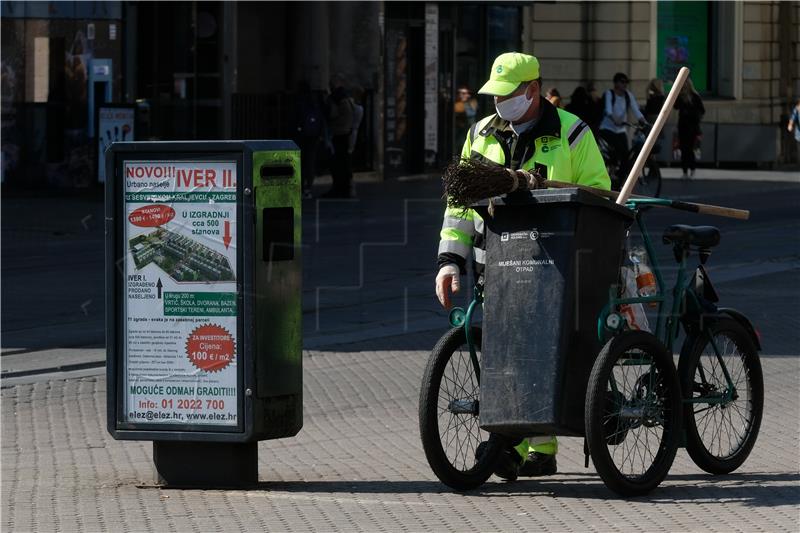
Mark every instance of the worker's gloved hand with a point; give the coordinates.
(447, 281)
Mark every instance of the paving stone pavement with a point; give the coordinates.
(358, 465)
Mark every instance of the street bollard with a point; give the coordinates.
(203, 303)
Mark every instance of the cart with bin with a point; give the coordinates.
(554, 355)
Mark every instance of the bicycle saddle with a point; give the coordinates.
(700, 236)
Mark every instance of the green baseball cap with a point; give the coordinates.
(508, 71)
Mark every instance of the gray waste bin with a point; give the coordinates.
(551, 257)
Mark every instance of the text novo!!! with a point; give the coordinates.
(184, 177)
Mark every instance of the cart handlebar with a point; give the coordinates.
(705, 209)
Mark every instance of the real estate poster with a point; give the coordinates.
(180, 293)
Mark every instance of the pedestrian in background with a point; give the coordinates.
(465, 109)
(580, 104)
(690, 111)
(655, 100)
(340, 121)
(794, 126)
(358, 116)
(595, 108)
(554, 97)
(310, 125)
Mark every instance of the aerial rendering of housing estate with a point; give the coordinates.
(181, 257)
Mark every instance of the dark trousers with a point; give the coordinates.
(308, 160)
(619, 146)
(341, 165)
(686, 141)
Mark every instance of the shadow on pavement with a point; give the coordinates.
(755, 489)
(418, 340)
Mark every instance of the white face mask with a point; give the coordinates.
(513, 108)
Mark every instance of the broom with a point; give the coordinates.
(468, 181)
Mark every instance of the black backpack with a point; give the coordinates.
(614, 99)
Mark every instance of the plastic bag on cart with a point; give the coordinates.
(633, 313)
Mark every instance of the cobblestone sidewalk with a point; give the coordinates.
(358, 465)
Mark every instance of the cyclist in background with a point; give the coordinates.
(617, 104)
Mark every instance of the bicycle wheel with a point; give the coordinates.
(649, 183)
(721, 431)
(448, 415)
(633, 407)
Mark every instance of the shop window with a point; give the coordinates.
(483, 33)
(701, 36)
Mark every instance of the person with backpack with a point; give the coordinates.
(341, 110)
(310, 126)
(617, 103)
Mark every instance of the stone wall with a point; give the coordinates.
(584, 42)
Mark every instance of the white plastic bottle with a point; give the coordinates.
(645, 279)
(633, 313)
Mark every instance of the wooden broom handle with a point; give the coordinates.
(705, 209)
(627, 189)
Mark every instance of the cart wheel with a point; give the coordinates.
(448, 415)
(633, 407)
(721, 433)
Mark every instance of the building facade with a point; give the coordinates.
(59, 61)
(744, 57)
(229, 70)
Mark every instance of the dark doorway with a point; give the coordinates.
(404, 64)
(179, 57)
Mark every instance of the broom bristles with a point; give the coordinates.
(468, 181)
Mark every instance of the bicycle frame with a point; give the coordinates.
(667, 324)
(460, 318)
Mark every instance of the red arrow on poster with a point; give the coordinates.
(226, 239)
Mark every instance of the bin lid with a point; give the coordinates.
(553, 196)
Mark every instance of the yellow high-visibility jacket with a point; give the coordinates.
(560, 146)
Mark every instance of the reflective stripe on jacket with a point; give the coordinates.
(560, 146)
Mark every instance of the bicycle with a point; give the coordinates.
(638, 407)
(649, 182)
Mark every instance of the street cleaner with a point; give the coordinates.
(527, 132)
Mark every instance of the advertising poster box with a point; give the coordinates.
(203, 285)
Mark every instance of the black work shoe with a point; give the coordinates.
(538, 464)
(508, 464)
(480, 451)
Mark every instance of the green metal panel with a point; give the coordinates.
(278, 282)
